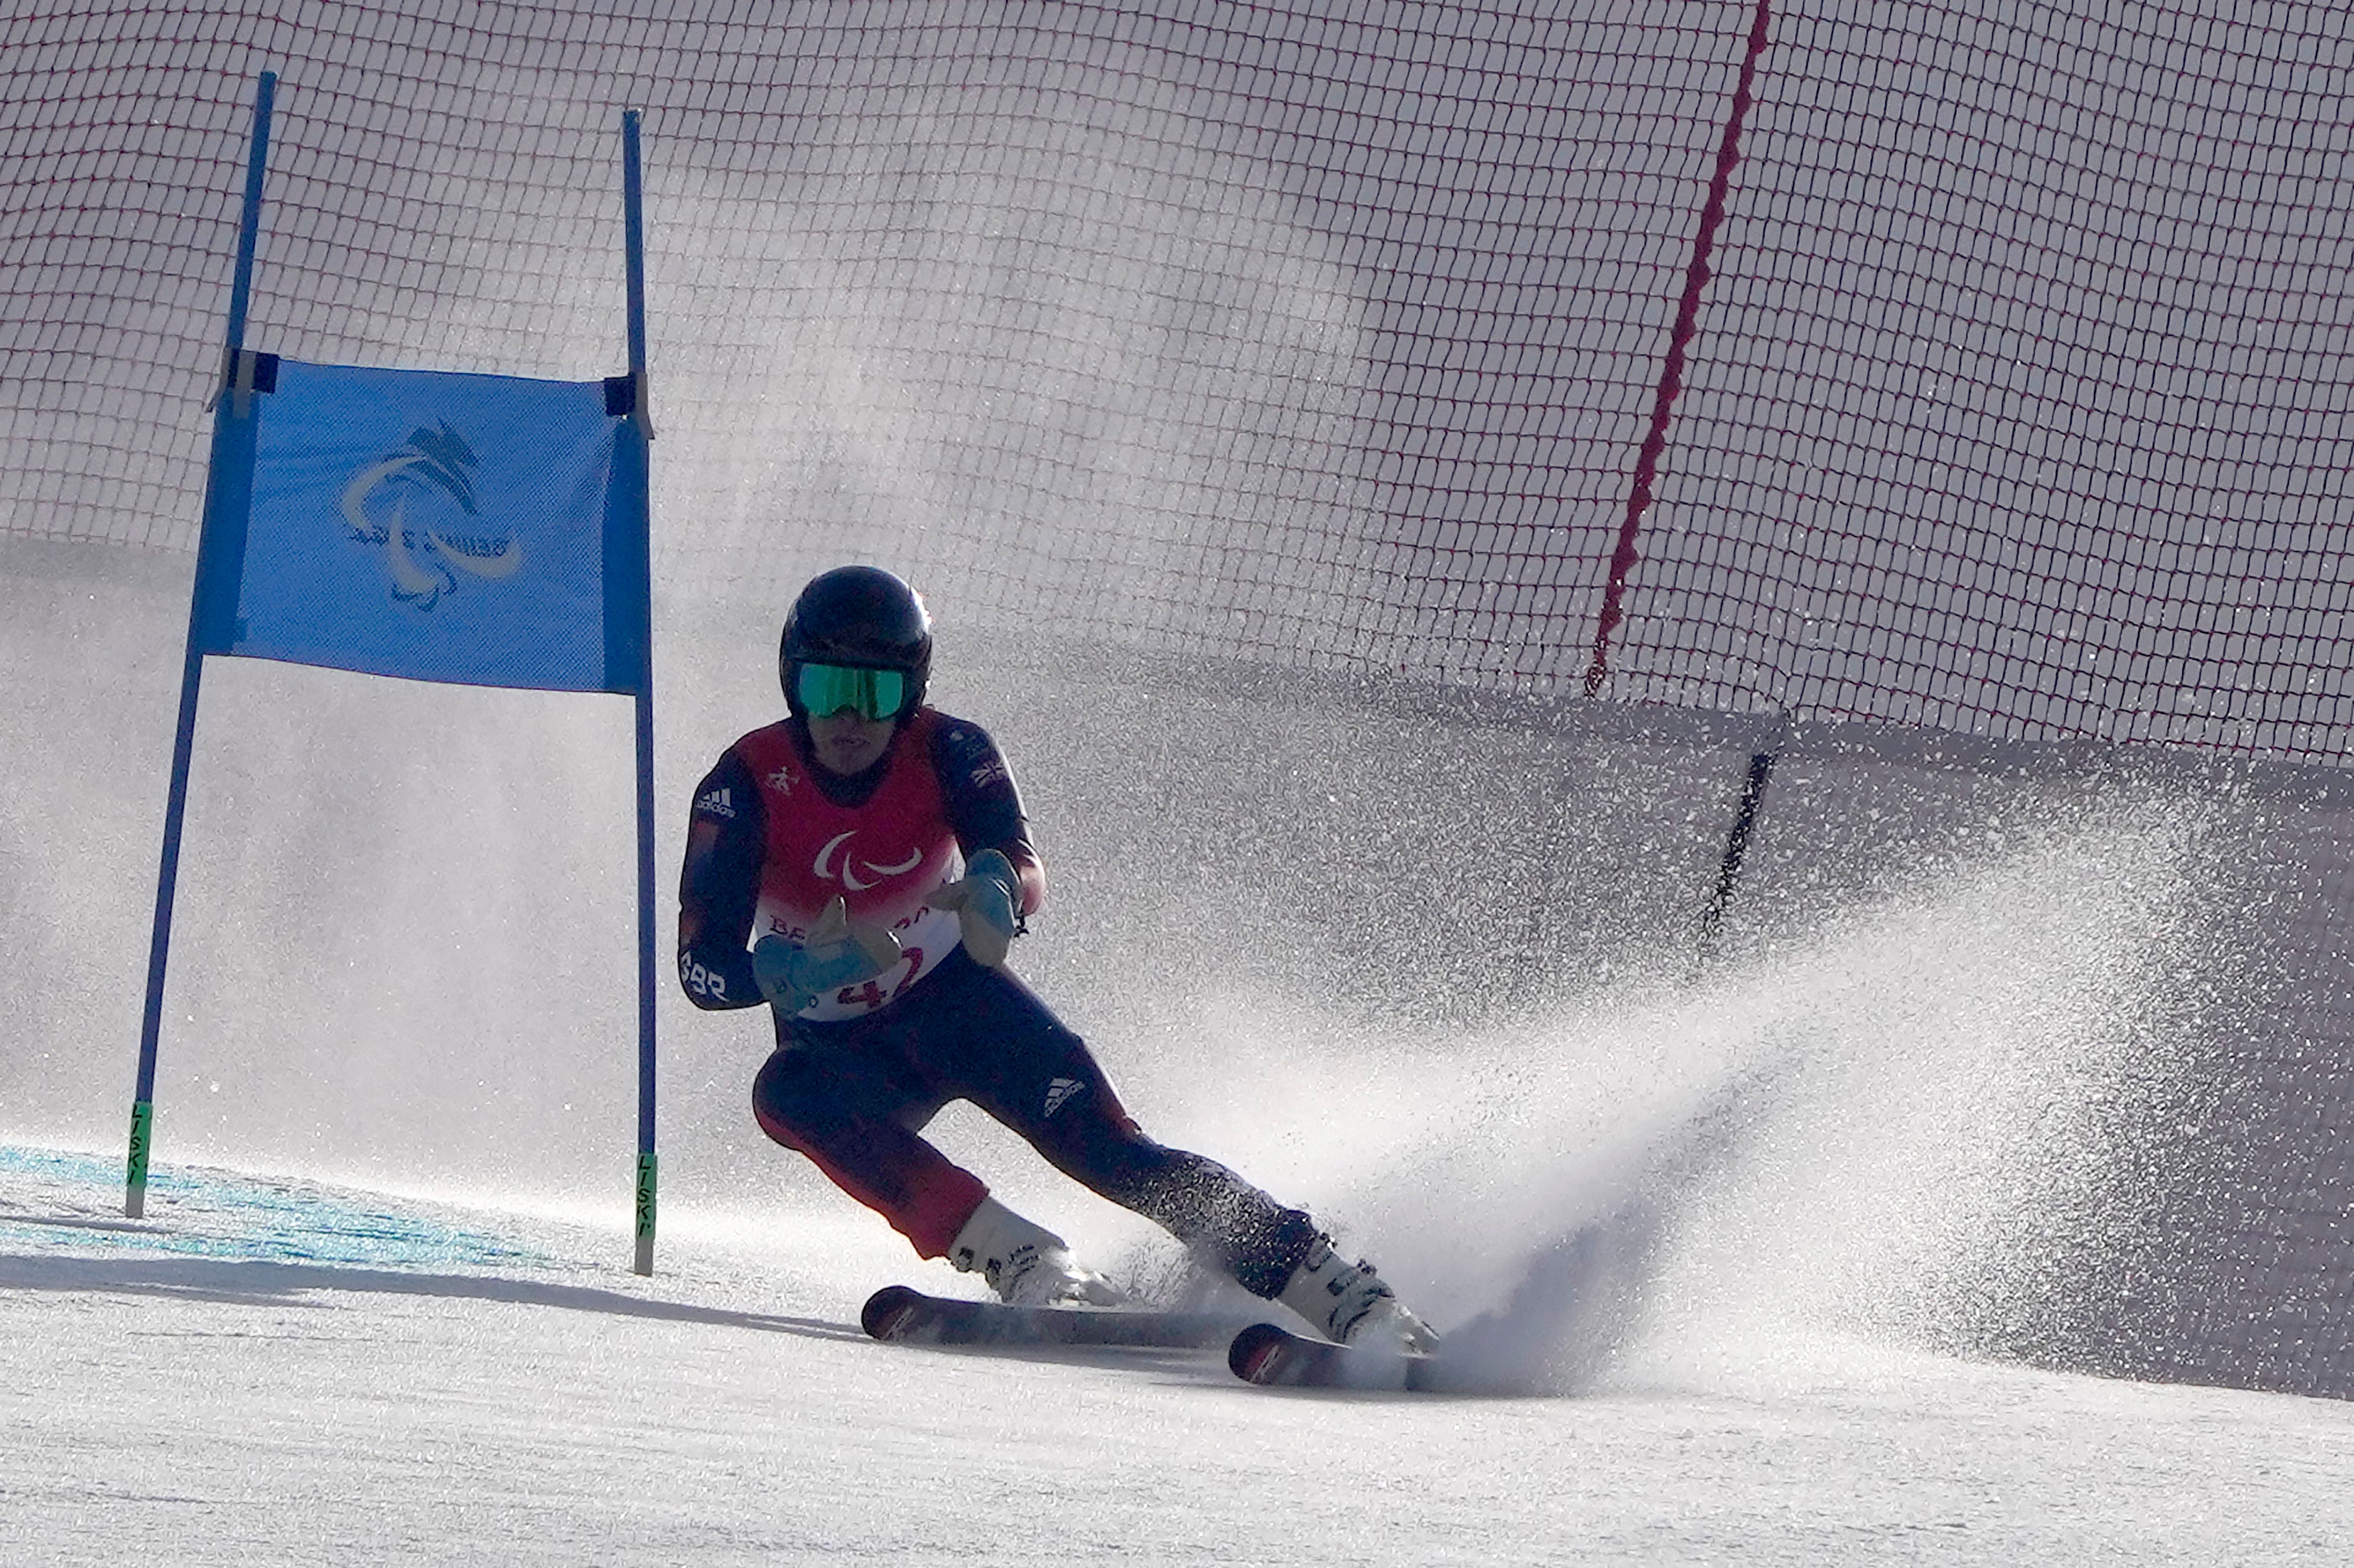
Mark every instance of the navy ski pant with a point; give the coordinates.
(854, 1096)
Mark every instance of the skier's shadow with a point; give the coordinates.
(259, 1282)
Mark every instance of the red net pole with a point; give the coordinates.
(1671, 372)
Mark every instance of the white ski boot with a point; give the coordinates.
(1026, 1264)
(1347, 1303)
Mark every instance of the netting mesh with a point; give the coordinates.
(2021, 402)
(2009, 397)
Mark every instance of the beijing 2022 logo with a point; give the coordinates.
(417, 505)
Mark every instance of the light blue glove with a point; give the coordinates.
(986, 902)
(839, 952)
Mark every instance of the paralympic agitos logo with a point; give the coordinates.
(833, 864)
(415, 504)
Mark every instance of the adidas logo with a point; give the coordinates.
(717, 803)
(1059, 1093)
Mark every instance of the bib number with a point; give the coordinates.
(870, 995)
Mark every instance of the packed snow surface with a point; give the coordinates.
(265, 1370)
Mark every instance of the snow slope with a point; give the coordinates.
(273, 1371)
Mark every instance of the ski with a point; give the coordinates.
(907, 1317)
(1278, 1358)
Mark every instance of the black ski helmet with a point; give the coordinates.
(862, 616)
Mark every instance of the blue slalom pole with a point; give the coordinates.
(231, 455)
(642, 419)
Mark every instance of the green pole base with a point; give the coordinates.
(135, 1181)
(645, 1262)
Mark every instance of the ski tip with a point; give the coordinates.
(888, 1310)
(1255, 1352)
(1278, 1358)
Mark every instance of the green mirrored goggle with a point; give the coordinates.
(827, 689)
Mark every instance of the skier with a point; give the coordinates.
(879, 848)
